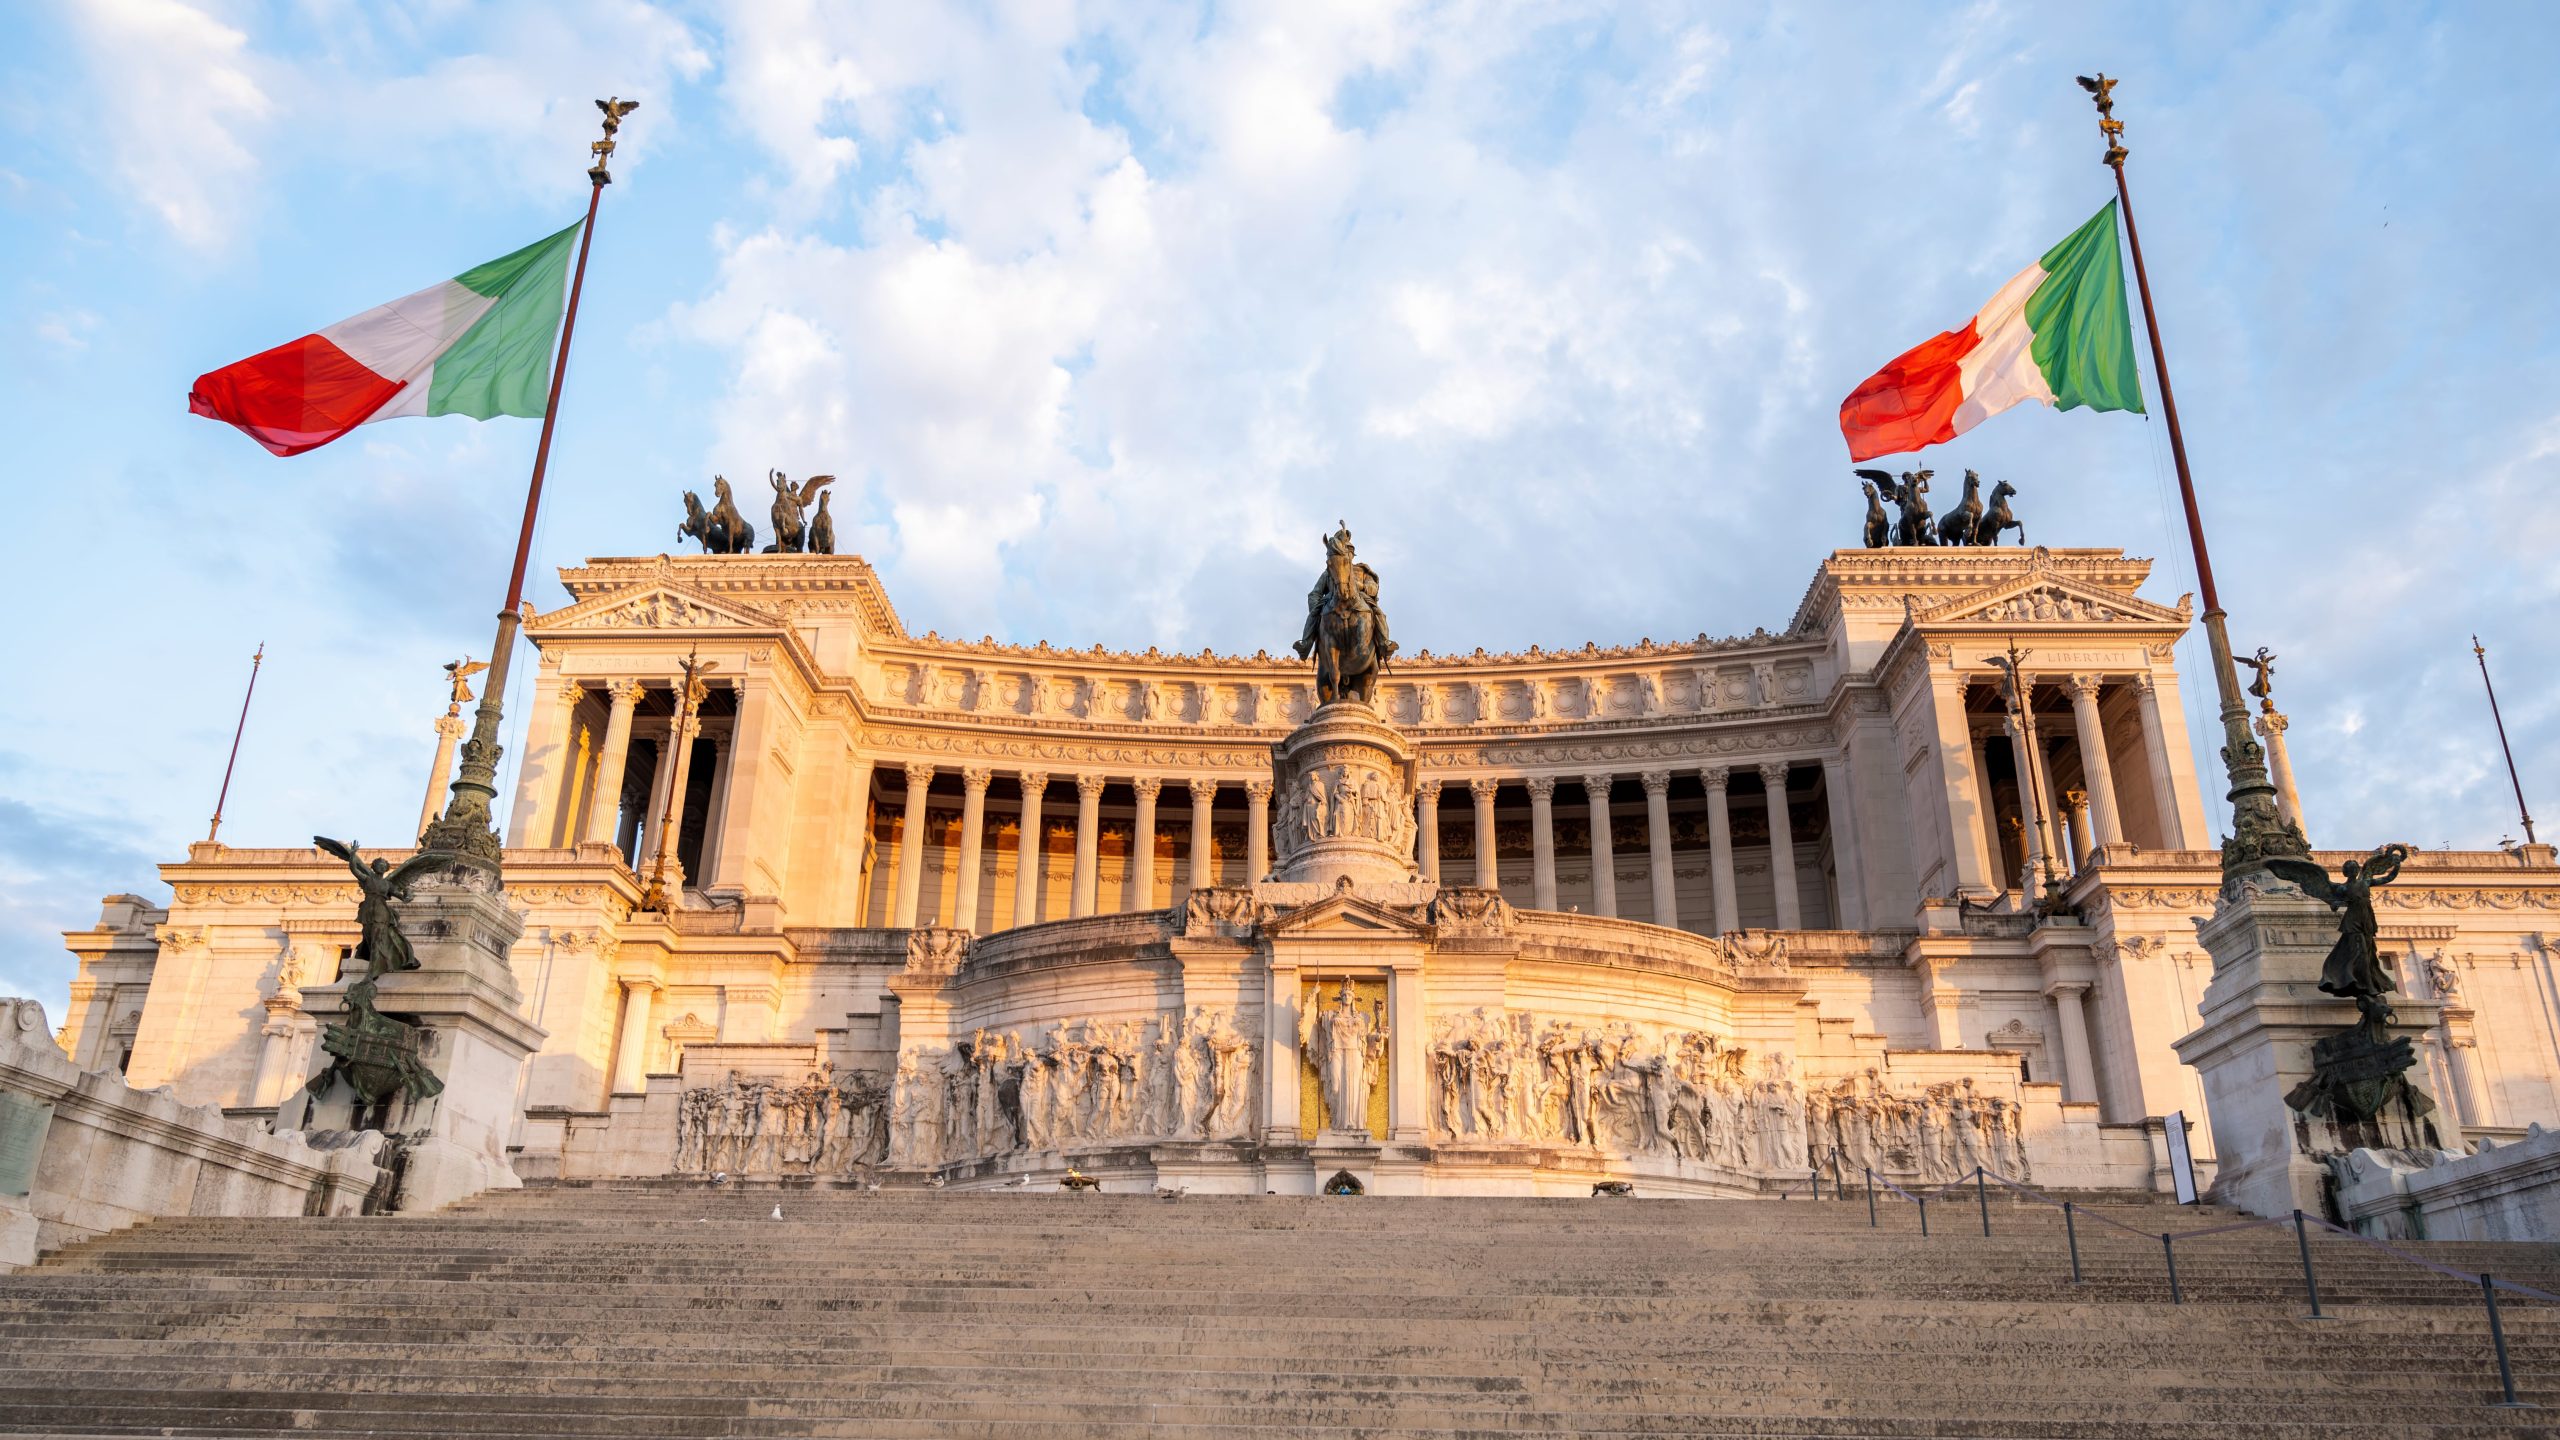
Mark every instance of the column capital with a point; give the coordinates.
(1657, 783)
(1773, 773)
(451, 727)
(1258, 791)
(1715, 777)
(977, 778)
(2075, 798)
(1204, 789)
(1541, 787)
(2142, 682)
(919, 773)
(1428, 788)
(2084, 687)
(1090, 786)
(2073, 988)
(1598, 783)
(1147, 786)
(2272, 722)
(571, 692)
(1484, 787)
(627, 693)
(1034, 781)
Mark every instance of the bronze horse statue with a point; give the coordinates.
(730, 532)
(1998, 517)
(1348, 635)
(1879, 525)
(1957, 526)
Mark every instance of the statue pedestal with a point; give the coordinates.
(1342, 788)
(463, 996)
(2261, 1017)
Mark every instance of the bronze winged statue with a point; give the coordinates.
(382, 946)
(790, 511)
(2353, 970)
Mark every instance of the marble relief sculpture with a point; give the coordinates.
(823, 1124)
(1082, 1083)
(1938, 1134)
(1347, 1043)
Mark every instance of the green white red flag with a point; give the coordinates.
(2058, 332)
(479, 344)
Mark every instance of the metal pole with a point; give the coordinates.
(2071, 1233)
(2500, 721)
(1924, 1217)
(2310, 1281)
(2258, 826)
(1817, 1182)
(1871, 1199)
(1982, 1196)
(2498, 1337)
(238, 730)
(467, 829)
(2171, 1251)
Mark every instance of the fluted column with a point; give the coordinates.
(1142, 845)
(1849, 903)
(1782, 847)
(540, 770)
(2075, 825)
(2031, 803)
(661, 778)
(1604, 860)
(1542, 841)
(1657, 827)
(853, 838)
(631, 1064)
(1028, 860)
(911, 848)
(603, 819)
(1204, 846)
(1257, 830)
(1720, 848)
(1088, 843)
(1427, 841)
(449, 729)
(1488, 863)
(671, 816)
(2096, 771)
(2155, 758)
(973, 825)
(2271, 727)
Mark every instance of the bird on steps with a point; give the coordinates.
(1171, 1192)
(777, 1212)
(934, 1184)
(1017, 1182)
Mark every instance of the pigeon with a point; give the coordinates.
(1171, 1192)
(719, 1177)
(777, 1212)
(934, 1184)
(1017, 1182)
(874, 1185)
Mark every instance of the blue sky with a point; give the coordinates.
(1105, 313)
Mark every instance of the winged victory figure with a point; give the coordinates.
(790, 511)
(382, 947)
(2353, 970)
(460, 673)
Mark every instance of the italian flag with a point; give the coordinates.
(479, 344)
(2058, 333)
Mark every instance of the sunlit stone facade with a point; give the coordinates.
(1705, 913)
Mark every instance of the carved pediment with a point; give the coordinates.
(1346, 915)
(2043, 597)
(663, 605)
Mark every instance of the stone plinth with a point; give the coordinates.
(2260, 1018)
(1342, 800)
(464, 994)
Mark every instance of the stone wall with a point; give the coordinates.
(83, 1154)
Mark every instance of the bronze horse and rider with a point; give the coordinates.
(1971, 522)
(1346, 631)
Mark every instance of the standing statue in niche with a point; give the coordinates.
(1346, 1042)
(1346, 631)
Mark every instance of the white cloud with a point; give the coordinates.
(69, 329)
(180, 105)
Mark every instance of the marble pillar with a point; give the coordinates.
(973, 829)
(2271, 726)
(1542, 842)
(604, 823)
(1488, 861)
(2155, 758)
(2097, 771)
(911, 851)
(1257, 831)
(2079, 1066)
(2075, 825)
(1720, 849)
(2030, 808)
(1849, 906)
(1088, 844)
(750, 788)
(1782, 847)
(631, 1061)
(661, 787)
(1427, 828)
(449, 728)
(853, 842)
(1028, 859)
(538, 764)
(1204, 843)
(1971, 841)
(1604, 861)
(1142, 845)
(1657, 827)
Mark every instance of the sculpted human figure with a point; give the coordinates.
(906, 1110)
(381, 946)
(1161, 1078)
(1036, 1074)
(2353, 969)
(1346, 630)
(1228, 1118)
(1346, 1043)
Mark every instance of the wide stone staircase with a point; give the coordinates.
(644, 1310)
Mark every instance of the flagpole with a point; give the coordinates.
(466, 830)
(2258, 826)
(261, 658)
(2500, 721)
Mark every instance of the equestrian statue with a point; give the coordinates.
(1972, 522)
(721, 529)
(1346, 632)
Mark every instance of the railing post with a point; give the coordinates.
(2171, 1251)
(2071, 1232)
(1982, 1197)
(2310, 1280)
(1817, 1182)
(1871, 1198)
(1924, 1216)
(2498, 1337)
